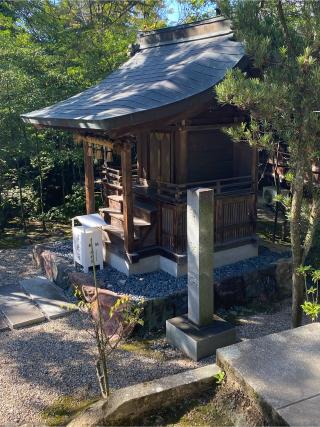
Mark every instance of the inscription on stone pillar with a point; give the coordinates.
(200, 255)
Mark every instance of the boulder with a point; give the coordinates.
(283, 275)
(261, 285)
(78, 279)
(56, 268)
(37, 255)
(114, 326)
(230, 292)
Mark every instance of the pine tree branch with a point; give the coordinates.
(285, 26)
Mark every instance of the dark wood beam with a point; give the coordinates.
(181, 156)
(126, 166)
(88, 179)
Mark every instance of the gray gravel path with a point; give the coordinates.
(44, 362)
(264, 324)
(39, 364)
(15, 265)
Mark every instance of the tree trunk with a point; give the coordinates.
(63, 184)
(277, 185)
(23, 219)
(295, 230)
(40, 186)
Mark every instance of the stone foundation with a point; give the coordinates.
(265, 285)
(176, 269)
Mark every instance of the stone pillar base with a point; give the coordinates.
(199, 342)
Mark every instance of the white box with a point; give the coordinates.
(83, 236)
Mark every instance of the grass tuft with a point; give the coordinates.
(61, 411)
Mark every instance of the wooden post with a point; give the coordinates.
(88, 179)
(181, 156)
(127, 197)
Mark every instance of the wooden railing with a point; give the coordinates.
(111, 179)
(115, 175)
(234, 185)
(234, 221)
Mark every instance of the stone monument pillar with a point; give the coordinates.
(199, 333)
(200, 255)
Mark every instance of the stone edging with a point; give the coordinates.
(132, 402)
(273, 282)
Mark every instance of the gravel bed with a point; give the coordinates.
(57, 358)
(63, 248)
(54, 359)
(15, 265)
(262, 324)
(160, 284)
(41, 363)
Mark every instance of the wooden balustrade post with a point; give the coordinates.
(88, 179)
(127, 197)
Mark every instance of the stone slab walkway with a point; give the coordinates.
(283, 369)
(31, 302)
(48, 297)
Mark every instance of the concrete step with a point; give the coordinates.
(3, 323)
(18, 309)
(23, 314)
(48, 297)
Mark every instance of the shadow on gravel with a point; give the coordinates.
(59, 358)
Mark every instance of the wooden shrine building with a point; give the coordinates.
(158, 113)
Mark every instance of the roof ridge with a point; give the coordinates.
(181, 26)
(185, 32)
(189, 39)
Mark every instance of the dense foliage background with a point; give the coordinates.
(50, 50)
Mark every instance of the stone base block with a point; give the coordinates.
(199, 342)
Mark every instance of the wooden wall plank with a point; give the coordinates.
(181, 156)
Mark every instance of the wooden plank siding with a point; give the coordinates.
(234, 221)
(234, 218)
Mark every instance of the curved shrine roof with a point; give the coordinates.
(171, 68)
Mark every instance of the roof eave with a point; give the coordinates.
(126, 121)
(132, 120)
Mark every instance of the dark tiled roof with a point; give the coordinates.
(172, 65)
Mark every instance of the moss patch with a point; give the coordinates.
(199, 411)
(60, 412)
(143, 348)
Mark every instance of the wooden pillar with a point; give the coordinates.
(88, 179)
(127, 197)
(181, 156)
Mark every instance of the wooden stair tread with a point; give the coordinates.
(110, 210)
(138, 222)
(108, 184)
(115, 197)
(117, 231)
